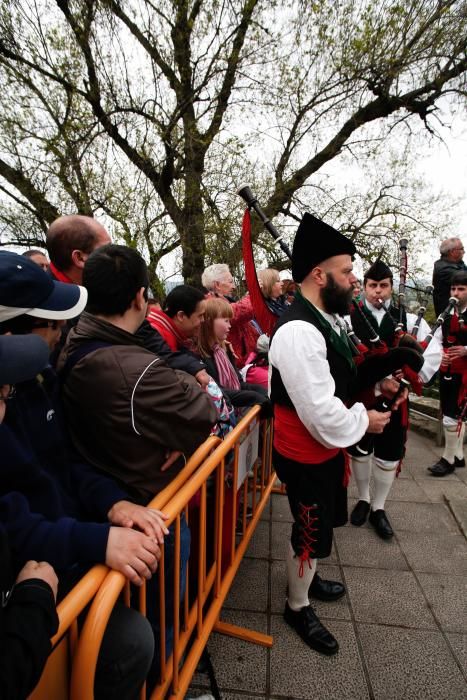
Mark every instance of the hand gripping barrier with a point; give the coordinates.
(222, 496)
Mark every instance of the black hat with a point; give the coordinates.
(314, 242)
(26, 289)
(378, 271)
(21, 357)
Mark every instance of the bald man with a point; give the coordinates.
(70, 241)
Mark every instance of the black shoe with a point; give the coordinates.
(459, 463)
(380, 522)
(306, 623)
(325, 590)
(360, 513)
(442, 468)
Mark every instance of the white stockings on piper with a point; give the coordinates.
(384, 473)
(454, 443)
(298, 585)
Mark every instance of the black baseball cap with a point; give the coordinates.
(26, 289)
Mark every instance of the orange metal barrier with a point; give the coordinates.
(223, 532)
(54, 682)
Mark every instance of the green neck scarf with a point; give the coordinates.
(338, 341)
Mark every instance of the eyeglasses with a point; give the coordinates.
(47, 324)
(11, 394)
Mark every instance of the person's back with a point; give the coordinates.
(127, 410)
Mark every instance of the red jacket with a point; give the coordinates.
(243, 334)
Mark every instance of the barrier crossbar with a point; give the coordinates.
(222, 498)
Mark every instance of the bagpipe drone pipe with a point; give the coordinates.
(374, 363)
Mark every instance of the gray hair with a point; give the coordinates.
(214, 273)
(448, 245)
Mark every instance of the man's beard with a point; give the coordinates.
(336, 299)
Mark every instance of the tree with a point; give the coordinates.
(162, 105)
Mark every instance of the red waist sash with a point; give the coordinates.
(292, 439)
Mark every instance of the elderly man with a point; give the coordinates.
(244, 333)
(70, 241)
(450, 262)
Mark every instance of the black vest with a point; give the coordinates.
(386, 330)
(341, 371)
(459, 337)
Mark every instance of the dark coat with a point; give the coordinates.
(443, 271)
(28, 619)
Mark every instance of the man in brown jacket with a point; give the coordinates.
(129, 413)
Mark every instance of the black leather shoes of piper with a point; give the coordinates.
(459, 463)
(380, 522)
(442, 468)
(325, 590)
(306, 623)
(360, 513)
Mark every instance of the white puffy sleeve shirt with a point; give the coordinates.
(298, 351)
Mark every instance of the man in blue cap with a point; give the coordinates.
(28, 618)
(54, 506)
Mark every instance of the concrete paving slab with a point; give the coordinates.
(437, 490)
(281, 509)
(250, 587)
(338, 610)
(299, 672)
(448, 597)
(459, 645)
(259, 543)
(421, 517)
(388, 597)
(407, 490)
(459, 510)
(435, 553)
(360, 546)
(412, 664)
(238, 665)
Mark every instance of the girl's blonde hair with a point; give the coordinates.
(267, 279)
(216, 307)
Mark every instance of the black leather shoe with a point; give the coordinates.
(380, 522)
(459, 463)
(442, 468)
(325, 590)
(306, 623)
(360, 513)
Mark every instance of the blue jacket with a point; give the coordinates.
(47, 495)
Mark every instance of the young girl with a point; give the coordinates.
(218, 356)
(257, 365)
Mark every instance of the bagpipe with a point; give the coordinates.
(373, 363)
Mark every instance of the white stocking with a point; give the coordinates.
(298, 585)
(451, 444)
(383, 476)
(361, 469)
(460, 444)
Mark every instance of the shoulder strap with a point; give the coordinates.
(78, 354)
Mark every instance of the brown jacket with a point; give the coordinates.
(126, 408)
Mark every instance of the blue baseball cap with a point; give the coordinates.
(22, 357)
(26, 289)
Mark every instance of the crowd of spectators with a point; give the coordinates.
(102, 401)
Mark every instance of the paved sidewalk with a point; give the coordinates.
(402, 627)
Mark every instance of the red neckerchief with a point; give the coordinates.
(60, 276)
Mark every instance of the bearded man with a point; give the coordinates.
(313, 376)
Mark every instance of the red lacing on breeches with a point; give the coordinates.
(306, 528)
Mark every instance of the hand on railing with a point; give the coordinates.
(148, 520)
(41, 570)
(172, 456)
(132, 553)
